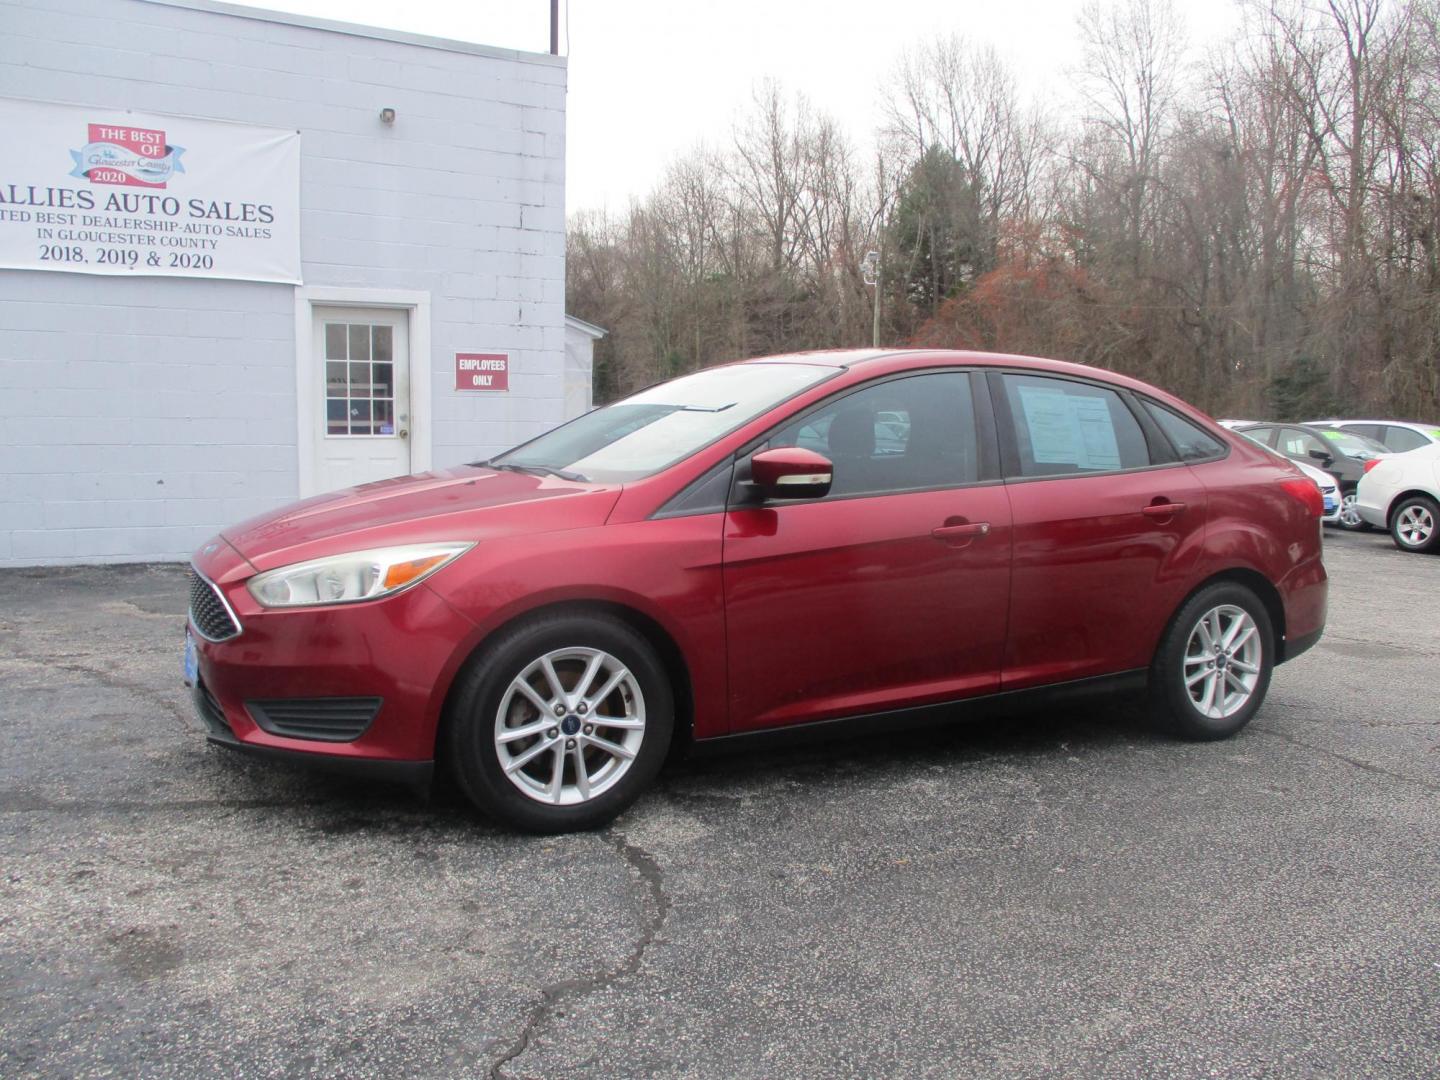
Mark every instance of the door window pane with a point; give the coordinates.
(1064, 427)
(334, 341)
(906, 434)
(1191, 441)
(359, 342)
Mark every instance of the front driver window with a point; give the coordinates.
(1299, 444)
(902, 435)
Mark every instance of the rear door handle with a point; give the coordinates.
(969, 531)
(1163, 510)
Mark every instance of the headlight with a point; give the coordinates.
(359, 575)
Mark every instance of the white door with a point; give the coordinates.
(362, 432)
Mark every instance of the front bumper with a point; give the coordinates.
(403, 650)
(414, 774)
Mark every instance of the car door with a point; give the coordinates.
(1108, 528)
(890, 591)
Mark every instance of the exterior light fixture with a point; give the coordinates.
(387, 115)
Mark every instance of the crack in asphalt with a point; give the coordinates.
(551, 996)
(1354, 763)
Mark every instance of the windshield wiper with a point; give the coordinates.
(543, 470)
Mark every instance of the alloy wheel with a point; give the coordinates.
(1222, 661)
(569, 726)
(1349, 512)
(1415, 526)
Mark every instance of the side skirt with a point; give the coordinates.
(921, 716)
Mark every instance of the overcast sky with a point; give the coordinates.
(651, 78)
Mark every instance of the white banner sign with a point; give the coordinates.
(105, 191)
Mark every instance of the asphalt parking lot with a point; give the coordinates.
(1035, 895)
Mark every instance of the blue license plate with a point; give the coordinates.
(192, 662)
(1330, 505)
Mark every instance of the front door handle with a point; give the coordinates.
(1163, 509)
(964, 533)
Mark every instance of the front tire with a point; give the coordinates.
(1212, 670)
(560, 723)
(1415, 525)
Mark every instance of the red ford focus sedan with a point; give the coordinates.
(795, 543)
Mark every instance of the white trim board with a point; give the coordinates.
(380, 33)
(307, 298)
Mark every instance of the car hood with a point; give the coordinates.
(465, 503)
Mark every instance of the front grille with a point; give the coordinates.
(334, 719)
(210, 712)
(208, 613)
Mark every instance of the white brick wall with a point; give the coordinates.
(140, 415)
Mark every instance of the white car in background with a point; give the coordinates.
(1397, 436)
(1402, 494)
(1328, 485)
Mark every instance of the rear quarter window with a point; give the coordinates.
(1191, 442)
(1402, 439)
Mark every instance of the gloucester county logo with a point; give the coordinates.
(135, 157)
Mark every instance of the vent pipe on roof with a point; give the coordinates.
(554, 27)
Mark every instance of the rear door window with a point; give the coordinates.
(1064, 428)
(1264, 435)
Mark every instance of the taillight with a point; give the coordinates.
(1305, 491)
(1371, 464)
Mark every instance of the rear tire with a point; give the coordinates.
(1212, 669)
(1415, 525)
(560, 723)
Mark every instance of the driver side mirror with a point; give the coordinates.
(791, 472)
(1321, 456)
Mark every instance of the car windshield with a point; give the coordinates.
(663, 424)
(1352, 445)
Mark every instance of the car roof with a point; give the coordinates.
(900, 358)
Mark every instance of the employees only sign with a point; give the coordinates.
(482, 371)
(105, 191)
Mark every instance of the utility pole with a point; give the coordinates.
(870, 272)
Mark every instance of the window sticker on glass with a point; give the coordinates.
(1069, 429)
(1331, 435)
